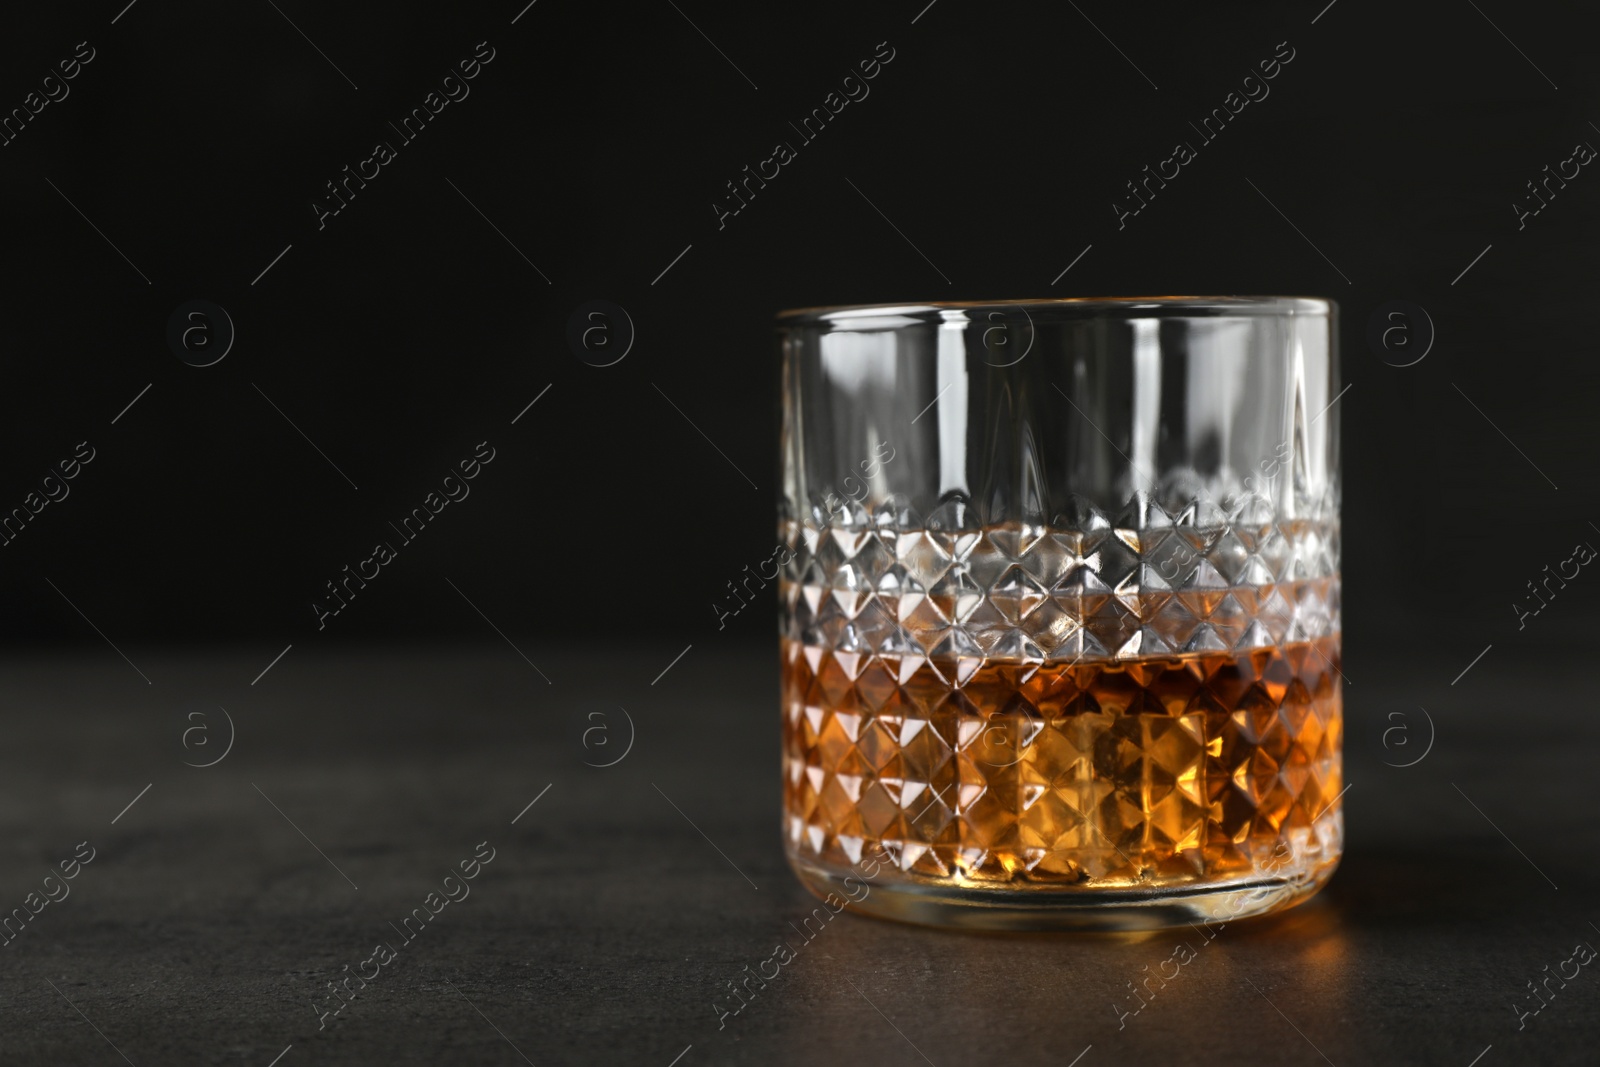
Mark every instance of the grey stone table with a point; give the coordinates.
(220, 904)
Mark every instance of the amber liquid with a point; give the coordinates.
(1145, 773)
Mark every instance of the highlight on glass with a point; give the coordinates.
(1060, 622)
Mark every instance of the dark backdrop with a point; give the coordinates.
(433, 308)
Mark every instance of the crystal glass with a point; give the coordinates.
(1060, 608)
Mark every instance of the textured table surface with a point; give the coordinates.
(617, 906)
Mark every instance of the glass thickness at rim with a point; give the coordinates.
(847, 316)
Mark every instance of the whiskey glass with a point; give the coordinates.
(1059, 608)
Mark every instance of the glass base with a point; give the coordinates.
(970, 907)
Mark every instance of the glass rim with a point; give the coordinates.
(1084, 306)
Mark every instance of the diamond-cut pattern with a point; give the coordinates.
(1143, 699)
(1097, 592)
(1147, 772)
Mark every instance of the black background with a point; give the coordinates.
(984, 162)
(407, 330)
